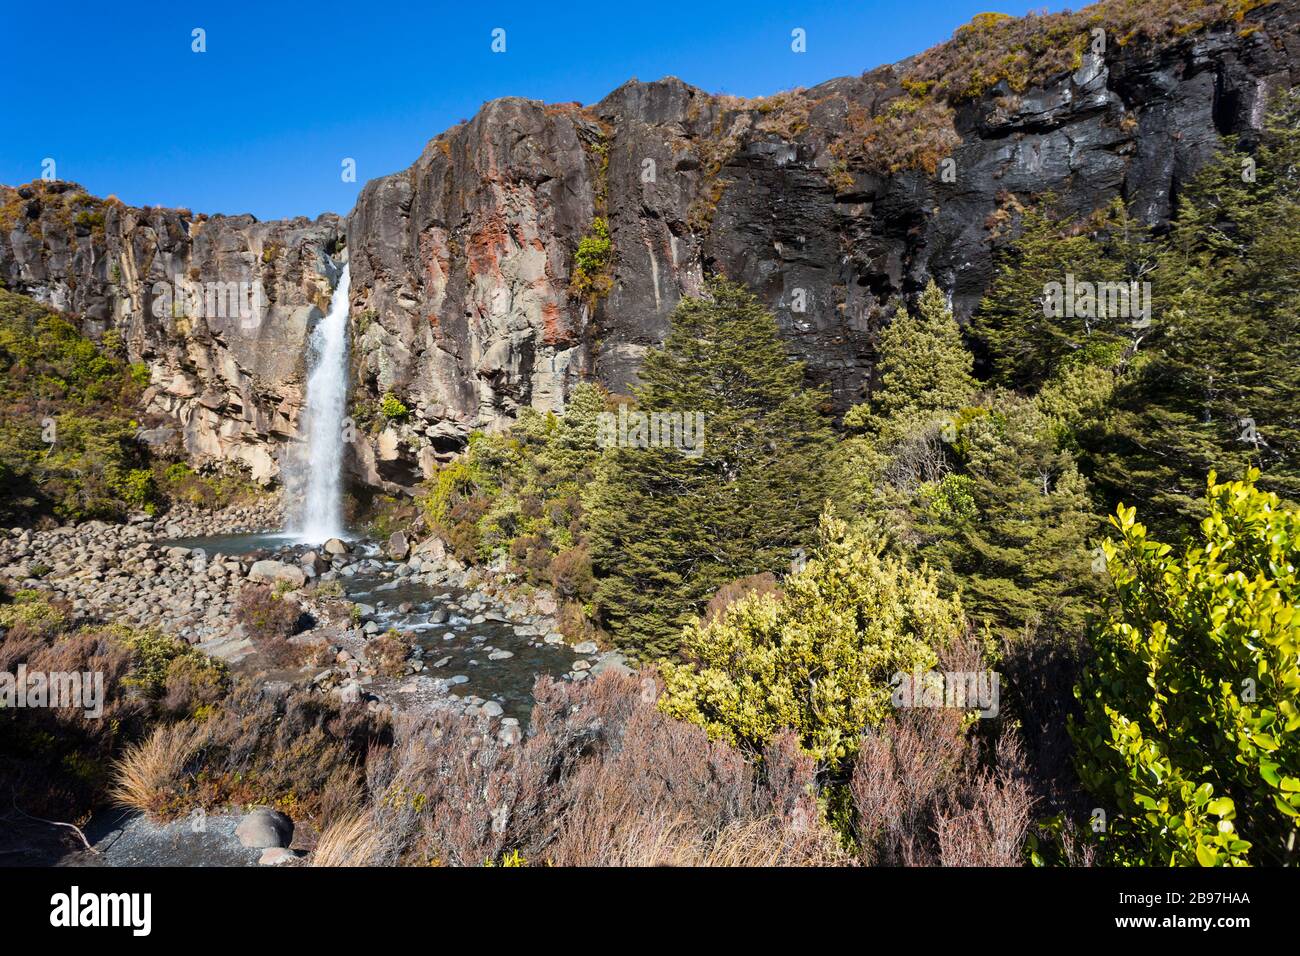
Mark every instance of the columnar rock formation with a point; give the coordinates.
(465, 302)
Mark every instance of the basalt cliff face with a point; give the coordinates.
(218, 307)
(466, 301)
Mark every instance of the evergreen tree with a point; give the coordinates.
(1220, 386)
(924, 372)
(1011, 528)
(667, 529)
(1031, 323)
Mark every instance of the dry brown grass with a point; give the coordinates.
(353, 840)
(146, 775)
(603, 779)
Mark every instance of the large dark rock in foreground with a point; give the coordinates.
(464, 304)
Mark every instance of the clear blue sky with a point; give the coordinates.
(261, 122)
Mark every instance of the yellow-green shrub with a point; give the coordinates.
(1191, 710)
(818, 659)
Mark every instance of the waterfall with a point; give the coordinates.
(319, 510)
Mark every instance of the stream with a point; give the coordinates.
(461, 638)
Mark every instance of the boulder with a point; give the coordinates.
(432, 550)
(276, 856)
(314, 561)
(264, 828)
(398, 547)
(336, 546)
(275, 572)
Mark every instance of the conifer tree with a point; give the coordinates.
(1026, 344)
(667, 529)
(924, 372)
(1220, 386)
(1019, 552)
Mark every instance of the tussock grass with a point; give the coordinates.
(145, 774)
(353, 840)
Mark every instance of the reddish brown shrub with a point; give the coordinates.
(602, 779)
(733, 591)
(266, 616)
(270, 620)
(389, 653)
(922, 798)
(571, 574)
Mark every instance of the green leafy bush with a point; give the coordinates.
(393, 409)
(592, 261)
(1190, 734)
(817, 659)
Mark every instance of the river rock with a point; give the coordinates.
(263, 828)
(313, 561)
(274, 572)
(432, 550)
(336, 546)
(398, 547)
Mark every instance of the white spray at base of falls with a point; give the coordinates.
(319, 511)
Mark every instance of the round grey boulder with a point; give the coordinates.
(264, 828)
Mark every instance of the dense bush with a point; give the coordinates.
(819, 658)
(57, 762)
(519, 494)
(922, 795)
(602, 779)
(270, 619)
(67, 443)
(1190, 735)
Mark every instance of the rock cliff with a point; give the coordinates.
(467, 299)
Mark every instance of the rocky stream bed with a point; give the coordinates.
(477, 639)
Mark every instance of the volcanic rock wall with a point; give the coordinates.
(465, 301)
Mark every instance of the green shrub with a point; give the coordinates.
(393, 409)
(817, 659)
(1190, 733)
(153, 654)
(89, 464)
(592, 261)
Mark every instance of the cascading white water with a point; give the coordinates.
(319, 515)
